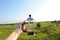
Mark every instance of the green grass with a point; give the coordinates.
(5, 30)
(47, 31)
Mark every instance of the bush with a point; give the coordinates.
(38, 25)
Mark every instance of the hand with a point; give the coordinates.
(23, 26)
(14, 35)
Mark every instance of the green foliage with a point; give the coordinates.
(56, 22)
(6, 30)
(38, 25)
(48, 31)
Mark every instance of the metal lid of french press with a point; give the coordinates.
(30, 18)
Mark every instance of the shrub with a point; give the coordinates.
(38, 25)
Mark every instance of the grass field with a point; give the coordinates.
(47, 31)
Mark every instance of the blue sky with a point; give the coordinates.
(12, 11)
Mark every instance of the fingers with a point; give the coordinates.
(23, 26)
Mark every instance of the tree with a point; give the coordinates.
(56, 22)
